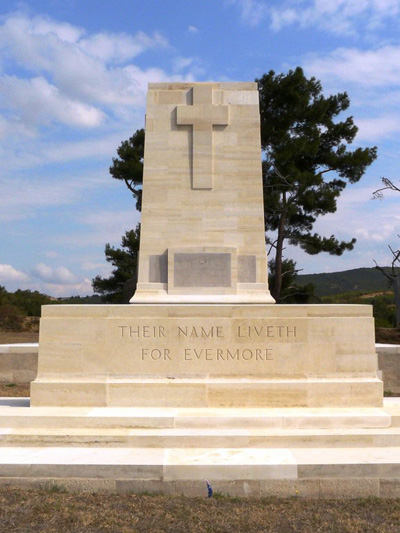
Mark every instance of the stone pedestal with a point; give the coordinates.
(207, 356)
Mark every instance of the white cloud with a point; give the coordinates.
(193, 29)
(371, 234)
(52, 254)
(39, 193)
(118, 48)
(91, 147)
(70, 77)
(252, 12)
(58, 275)
(375, 128)
(192, 65)
(369, 68)
(45, 26)
(39, 102)
(9, 273)
(180, 63)
(372, 80)
(334, 16)
(91, 265)
(81, 288)
(105, 226)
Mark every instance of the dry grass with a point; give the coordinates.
(16, 390)
(388, 336)
(51, 511)
(11, 337)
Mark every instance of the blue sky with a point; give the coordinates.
(73, 78)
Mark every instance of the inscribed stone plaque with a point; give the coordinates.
(202, 270)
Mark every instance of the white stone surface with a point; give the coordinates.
(202, 195)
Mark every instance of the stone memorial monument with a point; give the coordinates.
(202, 375)
(202, 330)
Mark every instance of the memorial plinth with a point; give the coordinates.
(207, 356)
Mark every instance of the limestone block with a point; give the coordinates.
(290, 488)
(221, 356)
(344, 489)
(18, 363)
(388, 358)
(389, 488)
(139, 486)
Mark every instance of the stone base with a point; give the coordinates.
(213, 393)
(207, 356)
(313, 453)
(163, 296)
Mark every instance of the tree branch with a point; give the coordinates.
(271, 243)
(388, 185)
(388, 276)
(295, 271)
(129, 185)
(326, 170)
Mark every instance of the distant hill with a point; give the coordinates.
(358, 279)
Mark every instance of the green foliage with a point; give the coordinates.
(30, 302)
(128, 167)
(384, 308)
(125, 262)
(359, 279)
(15, 306)
(11, 318)
(303, 143)
(384, 311)
(291, 291)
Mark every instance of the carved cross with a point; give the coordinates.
(202, 115)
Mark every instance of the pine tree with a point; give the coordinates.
(303, 144)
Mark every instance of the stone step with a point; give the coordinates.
(210, 392)
(199, 437)
(14, 413)
(325, 472)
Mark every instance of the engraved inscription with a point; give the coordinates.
(201, 332)
(196, 343)
(226, 354)
(155, 354)
(142, 332)
(252, 332)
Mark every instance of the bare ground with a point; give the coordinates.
(52, 511)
